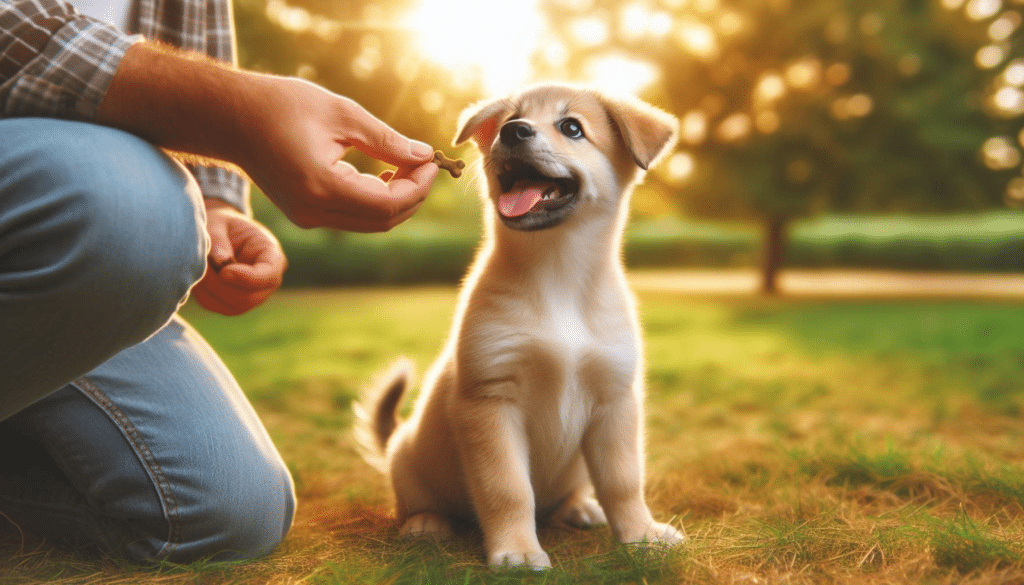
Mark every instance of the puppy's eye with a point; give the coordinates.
(572, 128)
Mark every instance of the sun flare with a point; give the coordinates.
(493, 39)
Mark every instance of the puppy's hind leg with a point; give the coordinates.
(427, 524)
(580, 510)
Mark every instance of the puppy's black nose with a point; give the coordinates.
(516, 131)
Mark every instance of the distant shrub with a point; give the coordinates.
(431, 252)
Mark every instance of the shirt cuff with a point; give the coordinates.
(225, 185)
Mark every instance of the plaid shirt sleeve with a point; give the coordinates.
(55, 62)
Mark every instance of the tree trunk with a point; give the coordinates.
(772, 249)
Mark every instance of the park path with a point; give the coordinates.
(835, 283)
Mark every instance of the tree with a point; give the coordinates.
(790, 108)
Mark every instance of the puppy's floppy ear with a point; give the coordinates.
(646, 131)
(481, 122)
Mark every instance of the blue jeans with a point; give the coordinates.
(121, 431)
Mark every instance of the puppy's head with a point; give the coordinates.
(553, 151)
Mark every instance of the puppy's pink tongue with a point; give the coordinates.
(520, 200)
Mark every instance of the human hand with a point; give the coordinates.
(293, 152)
(245, 265)
(287, 134)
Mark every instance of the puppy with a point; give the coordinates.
(536, 403)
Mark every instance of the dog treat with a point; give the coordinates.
(454, 167)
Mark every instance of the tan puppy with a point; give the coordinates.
(536, 402)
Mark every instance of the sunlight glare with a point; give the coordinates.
(693, 128)
(590, 31)
(493, 38)
(621, 74)
(982, 9)
(770, 88)
(633, 21)
(705, 6)
(299, 20)
(637, 21)
(1009, 101)
(1000, 153)
(859, 105)
(734, 128)
(730, 23)
(804, 73)
(432, 101)
(1004, 26)
(697, 38)
(680, 167)
(1014, 73)
(989, 56)
(291, 18)
(854, 106)
(555, 53)
(369, 59)
(660, 24)
(576, 5)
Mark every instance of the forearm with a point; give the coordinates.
(183, 102)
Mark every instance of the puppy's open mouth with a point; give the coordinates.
(532, 200)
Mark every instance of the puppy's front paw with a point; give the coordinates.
(536, 560)
(658, 533)
(427, 524)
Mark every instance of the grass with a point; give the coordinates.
(801, 441)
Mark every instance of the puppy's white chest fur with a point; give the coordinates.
(563, 345)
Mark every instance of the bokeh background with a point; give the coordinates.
(833, 133)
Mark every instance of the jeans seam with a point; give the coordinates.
(160, 482)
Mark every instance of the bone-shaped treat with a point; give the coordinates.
(454, 167)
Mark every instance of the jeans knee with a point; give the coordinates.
(242, 521)
(119, 223)
(257, 525)
(147, 232)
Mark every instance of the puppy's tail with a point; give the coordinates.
(377, 414)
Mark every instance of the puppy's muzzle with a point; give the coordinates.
(531, 199)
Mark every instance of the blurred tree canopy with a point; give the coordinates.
(792, 108)
(788, 108)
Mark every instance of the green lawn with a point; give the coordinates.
(796, 441)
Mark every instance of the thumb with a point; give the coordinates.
(222, 252)
(382, 142)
